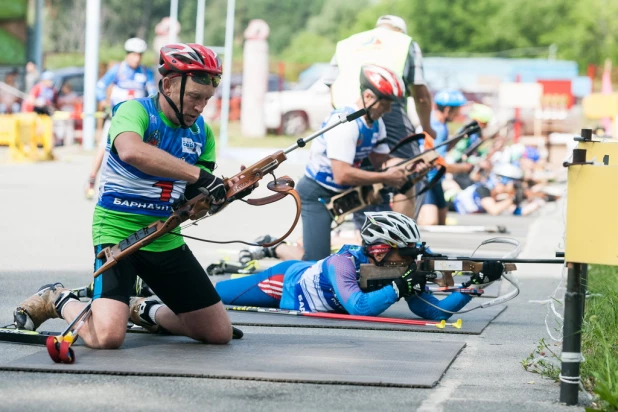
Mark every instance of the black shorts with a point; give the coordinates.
(175, 276)
(435, 196)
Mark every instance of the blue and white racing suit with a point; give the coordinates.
(328, 285)
(127, 84)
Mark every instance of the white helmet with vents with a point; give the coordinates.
(391, 228)
(135, 45)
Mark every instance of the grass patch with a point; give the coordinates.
(600, 336)
(599, 341)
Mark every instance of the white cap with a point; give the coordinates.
(394, 21)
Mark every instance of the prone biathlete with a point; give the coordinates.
(331, 284)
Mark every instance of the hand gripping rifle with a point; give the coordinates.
(239, 186)
(440, 269)
(359, 197)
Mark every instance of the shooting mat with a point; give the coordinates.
(264, 357)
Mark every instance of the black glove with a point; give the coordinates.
(492, 270)
(209, 185)
(472, 127)
(410, 283)
(520, 194)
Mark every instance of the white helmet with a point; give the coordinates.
(394, 21)
(135, 45)
(508, 170)
(391, 228)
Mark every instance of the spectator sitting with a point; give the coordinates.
(64, 128)
(502, 192)
(42, 97)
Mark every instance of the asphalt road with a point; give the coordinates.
(45, 229)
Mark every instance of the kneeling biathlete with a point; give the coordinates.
(332, 284)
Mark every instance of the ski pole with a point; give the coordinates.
(440, 325)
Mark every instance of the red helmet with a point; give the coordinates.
(188, 58)
(384, 83)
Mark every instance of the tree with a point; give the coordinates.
(307, 48)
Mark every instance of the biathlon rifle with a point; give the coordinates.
(359, 197)
(440, 269)
(238, 186)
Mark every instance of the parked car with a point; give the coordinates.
(293, 112)
(74, 76)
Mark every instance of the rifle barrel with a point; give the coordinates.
(544, 261)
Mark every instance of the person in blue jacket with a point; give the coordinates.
(129, 80)
(331, 284)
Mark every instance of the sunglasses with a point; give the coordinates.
(202, 78)
(205, 79)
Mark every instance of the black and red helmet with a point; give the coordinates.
(187, 59)
(383, 82)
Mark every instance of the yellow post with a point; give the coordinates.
(45, 137)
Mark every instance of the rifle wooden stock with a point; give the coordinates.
(359, 197)
(248, 177)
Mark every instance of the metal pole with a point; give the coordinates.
(38, 34)
(173, 20)
(571, 340)
(584, 286)
(227, 74)
(91, 71)
(199, 22)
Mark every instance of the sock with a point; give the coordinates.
(62, 300)
(152, 313)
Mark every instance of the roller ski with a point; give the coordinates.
(258, 252)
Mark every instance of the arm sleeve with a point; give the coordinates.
(130, 116)
(151, 87)
(105, 81)
(207, 160)
(341, 141)
(341, 273)
(453, 302)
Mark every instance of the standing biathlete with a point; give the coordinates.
(129, 80)
(334, 165)
(159, 149)
(331, 284)
(389, 46)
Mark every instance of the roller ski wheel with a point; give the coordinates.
(66, 353)
(52, 349)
